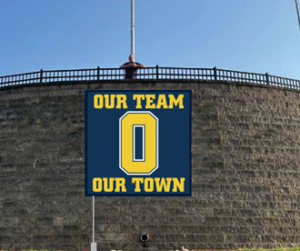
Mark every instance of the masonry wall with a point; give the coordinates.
(245, 171)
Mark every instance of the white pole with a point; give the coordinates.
(132, 29)
(298, 13)
(93, 218)
(93, 244)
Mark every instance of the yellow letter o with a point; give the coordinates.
(127, 161)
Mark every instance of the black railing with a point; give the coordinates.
(100, 74)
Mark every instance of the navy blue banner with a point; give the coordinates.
(138, 143)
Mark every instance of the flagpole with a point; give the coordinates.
(132, 29)
(298, 12)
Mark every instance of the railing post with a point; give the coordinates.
(157, 75)
(267, 79)
(215, 73)
(41, 76)
(98, 73)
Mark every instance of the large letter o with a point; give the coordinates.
(126, 127)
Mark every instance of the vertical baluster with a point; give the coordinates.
(267, 79)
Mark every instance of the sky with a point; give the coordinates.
(245, 35)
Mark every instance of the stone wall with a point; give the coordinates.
(245, 171)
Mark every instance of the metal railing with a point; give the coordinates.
(104, 74)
